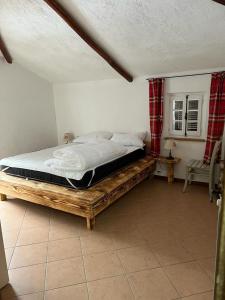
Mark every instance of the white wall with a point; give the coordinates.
(27, 114)
(119, 106)
(108, 104)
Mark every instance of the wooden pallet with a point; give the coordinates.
(85, 203)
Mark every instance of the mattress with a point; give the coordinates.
(31, 166)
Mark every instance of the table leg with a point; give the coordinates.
(3, 197)
(170, 173)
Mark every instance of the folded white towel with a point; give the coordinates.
(85, 156)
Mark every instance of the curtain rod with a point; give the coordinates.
(176, 76)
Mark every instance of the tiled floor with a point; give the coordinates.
(155, 243)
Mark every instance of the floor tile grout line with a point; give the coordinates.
(171, 282)
(65, 286)
(18, 235)
(113, 250)
(43, 263)
(195, 261)
(46, 265)
(85, 275)
(204, 271)
(81, 283)
(27, 245)
(125, 275)
(196, 294)
(102, 252)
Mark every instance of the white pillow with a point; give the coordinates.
(127, 139)
(97, 140)
(93, 136)
(141, 135)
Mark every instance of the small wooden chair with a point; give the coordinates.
(198, 167)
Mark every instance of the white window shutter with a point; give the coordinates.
(194, 107)
(177, 117)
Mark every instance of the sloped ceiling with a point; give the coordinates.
(145, 36)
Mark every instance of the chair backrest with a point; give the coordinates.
(215, 152)
(212, 168)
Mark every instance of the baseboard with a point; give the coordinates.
(164, 178)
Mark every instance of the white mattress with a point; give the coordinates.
(35, 161)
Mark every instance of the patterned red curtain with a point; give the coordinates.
(156, 95)
(216, 113)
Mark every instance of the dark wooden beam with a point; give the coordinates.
(220, 1)
(74, 24)
(5, 51)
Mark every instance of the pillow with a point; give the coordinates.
(127, 139)
(93, 136)
(97, 140)
(141, 135)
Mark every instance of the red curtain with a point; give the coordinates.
(156, 95)
(216, 113)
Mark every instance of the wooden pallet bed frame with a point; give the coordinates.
(85, 203)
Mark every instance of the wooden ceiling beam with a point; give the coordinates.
(74, 24)
(220, 1)
(5, 51)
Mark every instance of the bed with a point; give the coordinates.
(25, 177)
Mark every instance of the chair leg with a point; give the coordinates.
(190, 179)
(186, 180)
(211, 191)
(211, 195)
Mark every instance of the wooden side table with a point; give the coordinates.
(170, 166)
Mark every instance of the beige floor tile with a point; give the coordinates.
(150, 215)
(115, 224)
(29, 255)
(187, 225)
(33, 235)
(126, 238)
(170, 252)
(62, 249)
(155, 233)
(65, 228)
(67, 225)
(39, 219)
(76, 292)
(202, 246)
(209, 266)
(152, 285)
(11, 223)
(64, 272)
(137, 258)
(109, 289)
(117, 242)
(189, 278)
(8, 208)
(10, 238)
(36, 296)
(8, 255)
(204, 296)
(127, 206)
(26, 280)
(101, 265)
(96, 242)
(38, 210)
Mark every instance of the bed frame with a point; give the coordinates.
(85, 203)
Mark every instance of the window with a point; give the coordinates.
(185, 111)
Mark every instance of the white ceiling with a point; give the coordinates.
(145, 36)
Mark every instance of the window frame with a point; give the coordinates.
(185, 97)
